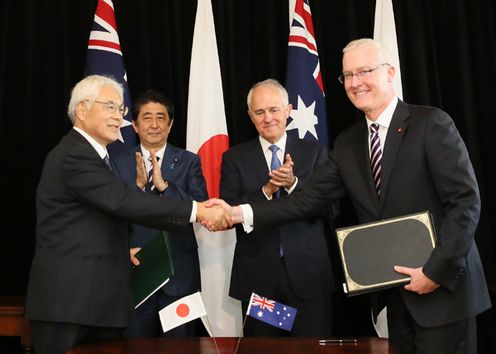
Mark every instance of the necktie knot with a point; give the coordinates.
(374, 128)
(274, 162)
(150, 160)
(107, 161)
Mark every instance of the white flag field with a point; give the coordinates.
(207, 137)
(385, 32)
(182, 311)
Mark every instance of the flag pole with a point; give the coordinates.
(244, 322)
(239, 338)
(209, 330)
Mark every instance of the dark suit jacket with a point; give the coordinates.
(80, 271)
(425, 166)
(256, 260)
(182, 170)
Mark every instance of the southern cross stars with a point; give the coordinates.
(124, 124)
(304, 119)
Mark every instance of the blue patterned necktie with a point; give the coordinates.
(375, 156)
(275, 164)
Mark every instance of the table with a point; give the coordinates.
(206, 345)
(12, 320)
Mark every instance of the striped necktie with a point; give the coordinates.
(150, 185)
(375, 156)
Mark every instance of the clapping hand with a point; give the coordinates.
(283, 177)
(141, 175)
(157, 179)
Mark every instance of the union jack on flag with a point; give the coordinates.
(262, 302)
(271, 312)
(104, 57)
(308, 119)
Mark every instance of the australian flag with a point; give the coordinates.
(104, 57)
(308, 119)
(271, 312)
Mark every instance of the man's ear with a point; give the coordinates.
(289, 108)
(133, 123)
(81, 110)
(391, 70)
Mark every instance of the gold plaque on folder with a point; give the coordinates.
(370, 251)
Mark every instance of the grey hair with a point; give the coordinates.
(273, 83)
(382, 51)
(87, 89)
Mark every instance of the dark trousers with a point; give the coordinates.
(410, 338)
(313, 318)
(60, 337)
(146, 321)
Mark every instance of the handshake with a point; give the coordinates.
(216, 215)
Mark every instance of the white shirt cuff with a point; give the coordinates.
(247, 217)
(194, 209)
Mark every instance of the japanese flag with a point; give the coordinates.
(182, 311)
(207, 137)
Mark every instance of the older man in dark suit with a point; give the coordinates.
(79, 283)
(419, 162)
(290, 263)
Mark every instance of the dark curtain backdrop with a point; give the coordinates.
(447, 53)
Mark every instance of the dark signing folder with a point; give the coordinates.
(370, 251)
(155, 268)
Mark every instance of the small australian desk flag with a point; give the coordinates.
(271, 312)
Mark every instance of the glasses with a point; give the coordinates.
(113, 107)
(362, 73)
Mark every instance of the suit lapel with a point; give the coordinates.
(255, 157)
(169, 162)
(292, 148)
(396, 131)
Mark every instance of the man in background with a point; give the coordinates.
(178, 175)
(289, 263)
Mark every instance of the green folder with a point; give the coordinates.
(155, 268)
